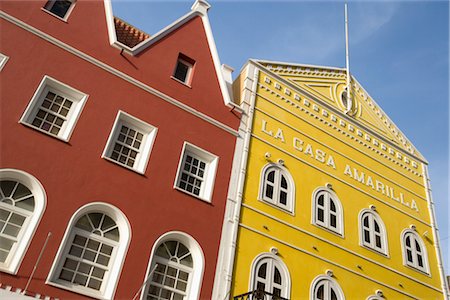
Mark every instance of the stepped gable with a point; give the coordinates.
(326, 84)
(128, 34)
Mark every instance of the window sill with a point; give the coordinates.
(65, 140)
(123, 166)
(418, 270)
(285, 210)
(56, 16)
(76, 289)
(193, 195)
(341, 235)
(182, 82)
(384, 254)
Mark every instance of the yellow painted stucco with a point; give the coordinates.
(298, 118)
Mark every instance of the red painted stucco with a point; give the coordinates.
(74, 174)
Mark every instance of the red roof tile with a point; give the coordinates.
(128, 34)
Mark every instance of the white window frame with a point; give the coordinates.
(188, 80)
(373, 217)
(330, 283)
(17, 253)
(118, 256)
(211, 160)
(50, 84)
(145, 148)
(339, 230)
(272, 262)
(275, 201)
(3, 60)
(414, 253)
(198, 259)
(49, 5)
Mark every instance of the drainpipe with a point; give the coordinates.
(436, 243)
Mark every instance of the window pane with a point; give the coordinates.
(283, 197)
(269, 191)
(271, 176)
(320, 214)
(277, 276)
(366, 236)
(262, 271)
(284, 182)
(378, 241)
(332, 205)
(333, 222)
(181, 71)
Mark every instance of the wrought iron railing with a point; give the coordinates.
(258, 295)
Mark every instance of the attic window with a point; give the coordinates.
(184, 68)
(59, 8)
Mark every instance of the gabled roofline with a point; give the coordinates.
(198, 9)
(415, 153)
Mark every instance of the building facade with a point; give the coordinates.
(117, 149)
(334, 201)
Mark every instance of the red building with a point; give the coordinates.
(119, 144)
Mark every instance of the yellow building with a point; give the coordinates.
(333, 200)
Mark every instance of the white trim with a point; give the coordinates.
(145, 148)
(437, 248)
(198, 259)
(384, 240)
(290, 199)
(211, 161)
(286, 291)
(230, 227)
(117, 73)
(3, 60)
(337, 264)
(333, 285)
(18, 251)
(339, 230)
(414, 237)
(77, 97)
(120, 252)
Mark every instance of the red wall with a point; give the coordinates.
(74, 174)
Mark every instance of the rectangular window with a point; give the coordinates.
(54, 108)
(184, 69)
(130, 142)
(196, 172)
(59, 8)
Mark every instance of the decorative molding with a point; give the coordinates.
(347, 157)
(361, 137)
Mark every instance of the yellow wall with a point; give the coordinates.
(289, 128)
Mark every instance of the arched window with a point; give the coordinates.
(372, 231)
(22, 203)
(326, 288)
(414, 251)
(270, 274)
(91, 255)
(175, 270)
(327, 210)
(277, 187)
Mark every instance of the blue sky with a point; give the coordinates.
(399, 52)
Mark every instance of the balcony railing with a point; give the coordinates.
(258, 295)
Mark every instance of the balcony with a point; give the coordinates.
(258, 295)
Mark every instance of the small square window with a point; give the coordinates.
(130, 142)
(196, 172)
(59, 8)
(54, 108)
(183, 69)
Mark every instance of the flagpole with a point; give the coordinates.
(347, 63)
